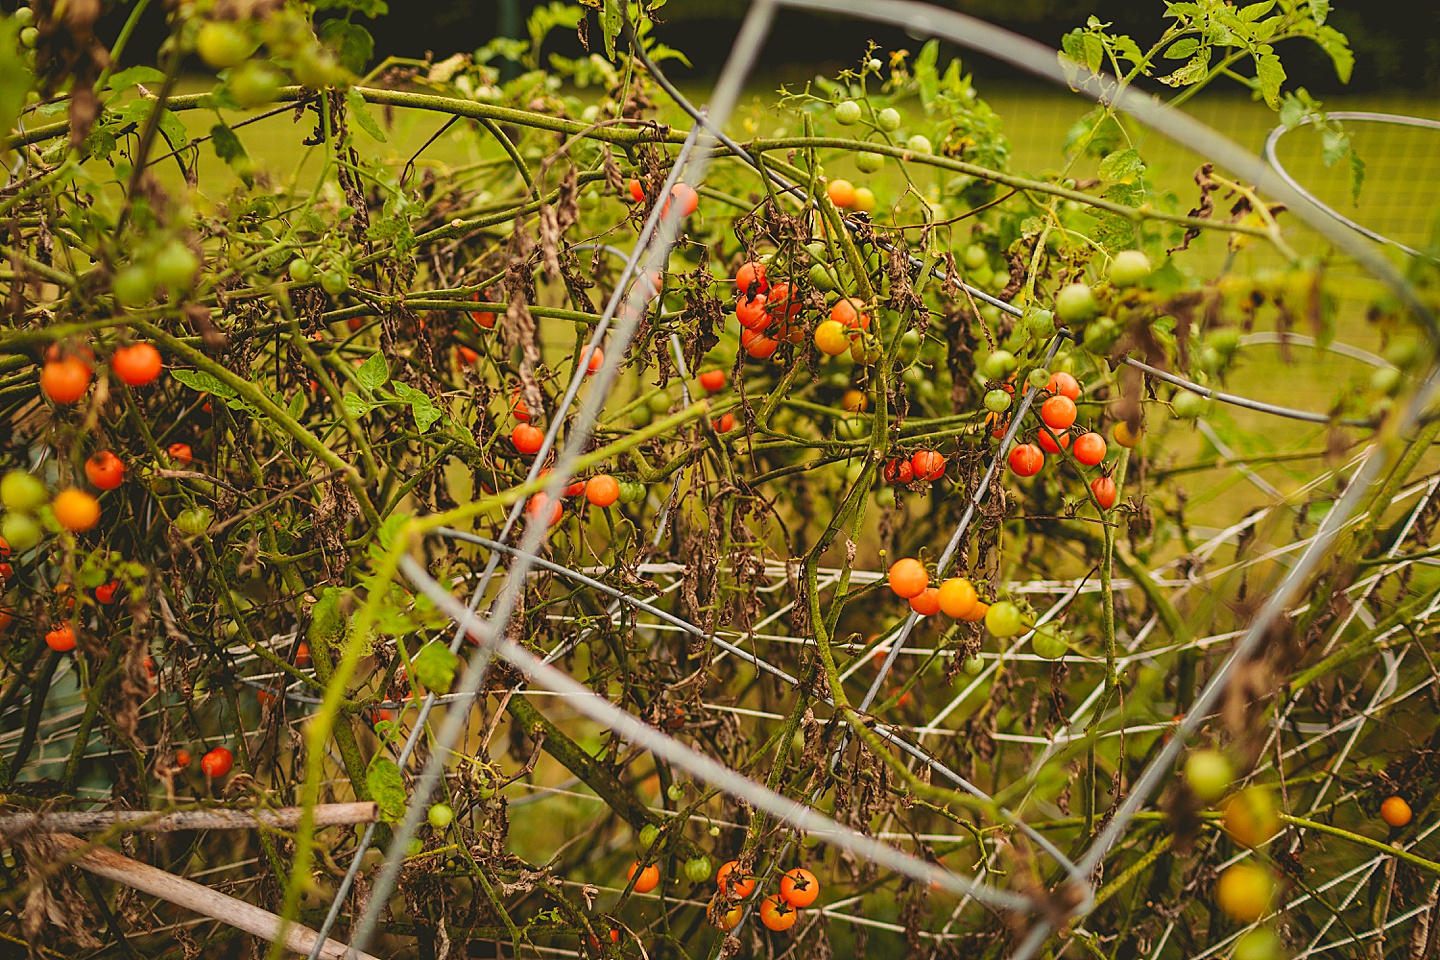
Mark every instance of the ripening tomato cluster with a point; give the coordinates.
(778, 911)
(957, 597)
(1057, 414)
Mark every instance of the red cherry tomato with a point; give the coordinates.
(527, 439)
(750, 279)
(741, 888)
(780, 304)
(928, 464)
(1058, 412)
(776, 914)
(848, 312)
(137, 364)
(537, 505)
(106, 592)
(483, 318)
(65, 380)
(712, 381)
(725, 424)
(1050, 446)
(799, 888)
(105, 471)
(217, 763)
(757, 345)
(1089, 448)
(61, 639)
(1064, 385)
(899, 472)
(181, 453)
(637, 192)
(685, 196)
(1026, 459)
(927, 604)
(596, 360)
(1104, 490)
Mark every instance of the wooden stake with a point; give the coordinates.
(194, 896)
(285, 818)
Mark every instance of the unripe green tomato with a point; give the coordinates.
(821, 278)
(1212, 360)
(1226, 340)
(333, 282)
(641, 416)
(302, 270)
(990, 313)
(912, 375)
(847, 112)
(852, 428)
(981, 277)
(1075, 303)
(865, 350)
(997, 401)
(910, 340)
(415, 848)
(1187, 405)
(1038, 378)
(1258, 944)
(485, 790)
(648, 835)
(134, 285)
(1209, 774)
(1101, 335)
(315, 67)
(345, 212)
(888, 119)
(1386, 380)
(175, 266)
(675, 792)
(885, 496)
(222, 44)
(24, 16)
(925, 389)
(868, 162)
(973, 666)
(1048, 643)
(659, 403)
(23, 492)
(1129, 268)
(697, 869)
(1403, 353)
(29, 37)
(1003, 619)
(1000, 364)
(21, 530)
(440, 815)
(632, 491)
(254, 83)
(1040, 323)
(919, 144)
(194, 521)
(714, 831)
(974, 257)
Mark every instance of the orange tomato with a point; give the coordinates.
(908, 578)
(137, 364)
(76, 510)
(741, 888)
(799, 888)
(65, 380)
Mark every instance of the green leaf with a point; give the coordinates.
(612, 15)
(130, 76)
(1271, 75)
(203, 382)
(297, 405)
(16, 78)
(353, 44)
(1292, 112)
(229, 148)
(356, 405)
(435, 667)
(1319, 10)
(373, 372)
(926, 77)
(423, 409)
(361, 114)
(387, 788)
(1254, 11)
(1183, 49)
(1357, 175)
(174, 130)
(1121, 165)
(1334, 144)
(1334, 44)
(1192, 72)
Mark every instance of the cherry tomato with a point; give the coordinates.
(1104, 490)
(440, 815)
(725, 423)
(1003, 619)
(76, 510)
(65, 380)
(841, 193)
(831, 338)
(527, 438)
(1058, 412)
(928, 464)
(908, 578)
(1026, 459)
(927, 604)
(750, 279)
(137, 364)
(776, 914)
(697, 869)
(602, 490)
(685, 196)
(61, 639)
(182, 758)
(730, 919)
(847, 313)
(781, 305)
(1124, 436)
(1063, 384)
(957, 597)
(649, 877)
(799, 888)
(750, 311)
(105, 593)
(518, 409)
(537, 505)
(1245, 891)
(104, 470)
(1395, 811)
(181, 453)
(1208, 774)
(899, 472)
(302, 654)
(637, 192)
(467, 356)
(217, 763)
(1090, 448)
(741, 888)
(596, 360)
(1049, 445)
(757, 344)
(712, 381)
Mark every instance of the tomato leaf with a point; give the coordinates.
(1183, 49)
(387, 788)
(373, 373)
(203, 382)
(360, 113)
(435, 667)
(1271, 75)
